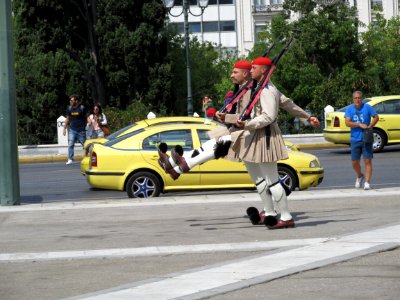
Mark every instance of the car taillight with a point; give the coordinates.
(93, 159)
(336, 122)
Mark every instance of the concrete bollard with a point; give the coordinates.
(62, 140)
(151, 115)
(327, 110)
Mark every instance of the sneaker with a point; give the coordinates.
(367, 186)
(69, 162)
(359, 181)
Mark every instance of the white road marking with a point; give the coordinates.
(243, 273)
(157, 250)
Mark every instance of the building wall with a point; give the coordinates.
(220, 14)
(250, 16)
(366, 14)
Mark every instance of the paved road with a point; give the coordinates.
(49, 182)
(345, 246)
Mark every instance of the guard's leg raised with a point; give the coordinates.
(212, 149)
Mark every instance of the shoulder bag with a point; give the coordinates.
(368, 133)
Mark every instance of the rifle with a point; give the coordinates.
(235, 98)
(263, 82)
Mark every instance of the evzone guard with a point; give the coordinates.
(254, 139)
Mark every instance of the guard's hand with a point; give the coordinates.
(220, 116)
(314, 122)
(64, 131)
(240, 124)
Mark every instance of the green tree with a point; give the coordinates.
(133, 45)
(325, 58)
(382, 57)
(113, 52)
(206, 71)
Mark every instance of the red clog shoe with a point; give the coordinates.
(180, 161)
(283, 224)
(164, 163)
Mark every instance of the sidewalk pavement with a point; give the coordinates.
(53, 153)
(345, 246)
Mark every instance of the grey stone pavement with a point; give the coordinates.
(346, 245)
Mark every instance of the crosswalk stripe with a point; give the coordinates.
(156, 250)
(231, 276)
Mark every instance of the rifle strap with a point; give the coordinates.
(257, 96)
(228, 107)
(236, 99)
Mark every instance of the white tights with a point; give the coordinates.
(206, 153)
(263, 175)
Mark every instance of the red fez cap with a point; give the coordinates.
(243, 64)
(262, 61)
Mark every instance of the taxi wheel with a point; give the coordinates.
(379, 141)
(143, 185)
(291, 178)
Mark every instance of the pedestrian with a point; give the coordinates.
(258, 143)
(208, 109)
(96, 123)
(358, 118)
(75, 123)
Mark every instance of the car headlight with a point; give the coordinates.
(314, 164)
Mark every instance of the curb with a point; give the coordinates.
(48, 158)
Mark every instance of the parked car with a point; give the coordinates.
(136, 127)
(145, 123)
(386, 131)
(130, 163)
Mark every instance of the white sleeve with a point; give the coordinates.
(104, 121)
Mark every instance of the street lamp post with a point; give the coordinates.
(169, 4)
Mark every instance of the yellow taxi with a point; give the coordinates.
(130, 162)
(386, 131)
(151, 122)
(142, 124)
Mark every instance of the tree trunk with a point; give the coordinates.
(98, 92)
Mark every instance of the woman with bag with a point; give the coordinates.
(358, 118)
(97, 123)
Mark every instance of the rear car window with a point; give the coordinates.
(122, 137)
(117, 133)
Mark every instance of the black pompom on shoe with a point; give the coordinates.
(179, 149)
(254, 215)
(270, 221)
(163, 147)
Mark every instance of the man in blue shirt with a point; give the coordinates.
(76, 119)
(358, 117)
